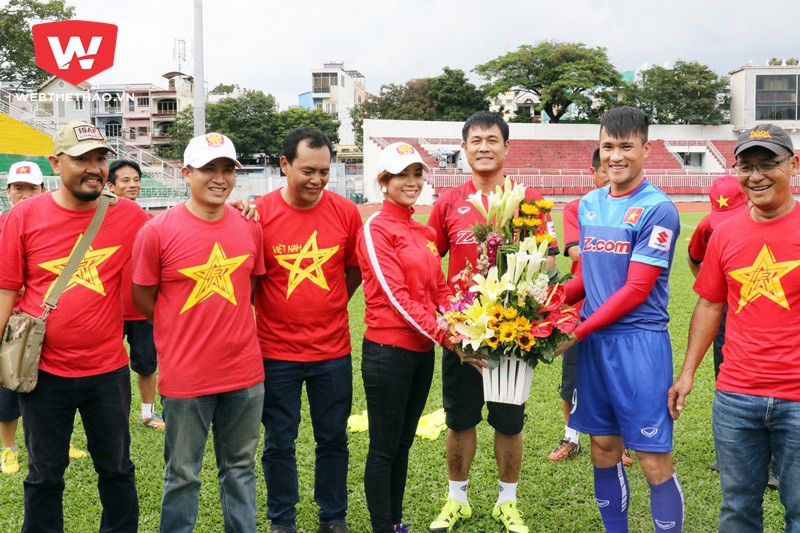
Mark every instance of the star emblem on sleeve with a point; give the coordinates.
(432, 247)
(763, 279)
(213, 277)
(86, 275)
(293, 262)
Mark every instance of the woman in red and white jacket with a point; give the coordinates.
(403, 286)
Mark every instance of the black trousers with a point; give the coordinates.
(48, 411)
(396, 382)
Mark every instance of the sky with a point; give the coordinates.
(273, 46)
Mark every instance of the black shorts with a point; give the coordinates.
(143, 348)
(569, 369)
(9, 405)
(462, 395)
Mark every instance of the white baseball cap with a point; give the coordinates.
(207, 148)
(398, 156)
(25, 172)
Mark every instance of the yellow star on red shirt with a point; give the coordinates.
(213, 277)
(313, 272)
(432, 247)
(763, 279)
(86, 274)
(722, 201)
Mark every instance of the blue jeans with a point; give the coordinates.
(329, 385)
(104, 402)
(748, 430)
(235, 417)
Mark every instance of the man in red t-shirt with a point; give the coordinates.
(124, 180)
(301, 305)
(83, 365)
(753, 265)
(485, 145)
(194, 269)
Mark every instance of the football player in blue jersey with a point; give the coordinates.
(627, 231)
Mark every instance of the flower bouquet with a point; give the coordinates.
(508, 309)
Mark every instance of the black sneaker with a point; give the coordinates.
(714, 466)
(773, 481)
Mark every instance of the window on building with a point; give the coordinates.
(142, 131)
(143, 102)
(167, 106)
(323, 81)
(131, 105)
(79, 104)
(776, 97)
(113, 129)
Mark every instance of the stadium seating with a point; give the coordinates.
(19, 138)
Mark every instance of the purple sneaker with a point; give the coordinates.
(402, 528)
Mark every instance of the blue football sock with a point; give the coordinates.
(611, 494)
(666, 505)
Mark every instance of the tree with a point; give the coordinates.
(182, 132)
(298, 117)
(449, 96)
(248, 120)
(223, 88)
(17, 57)
(559, 73)
(688, 93)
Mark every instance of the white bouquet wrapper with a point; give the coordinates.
(508, 382)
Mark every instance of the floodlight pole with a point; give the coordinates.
(199, 73)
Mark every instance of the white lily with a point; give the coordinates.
(490, 287)
(516, 265)
(477, 200)
(476, 328)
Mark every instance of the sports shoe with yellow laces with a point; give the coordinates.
(154, 422)
(75, 453)
(507, 514)
(10, 461)
(452, 512)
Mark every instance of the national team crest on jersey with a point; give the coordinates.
(660, 238)
(633, 215)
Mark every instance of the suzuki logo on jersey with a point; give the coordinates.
(660, 238)
(632, 215)
(74, 50)
(590, 244)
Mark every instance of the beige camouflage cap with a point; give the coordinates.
(77, 138)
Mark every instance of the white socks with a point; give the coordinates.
(508, 492)
(458, 491)
(571, 435)
(147, 410)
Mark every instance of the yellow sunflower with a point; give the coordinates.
(528, 209)
(510, 313)
(526, 341)
(492, 342)
(507, 332)
(518, 222)
(544, 205)
(545, 237)
(496, 312)
(533, 222)
(523, 324)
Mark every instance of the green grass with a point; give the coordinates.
(554, 497)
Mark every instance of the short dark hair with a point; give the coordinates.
(596, 158)
(314, 139)
(622, 122)
(485, 120)
(122, 163)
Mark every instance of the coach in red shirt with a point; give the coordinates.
(753, 265)
(301, 304)
(84, 365)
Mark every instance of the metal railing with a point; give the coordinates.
(383, 143)
(155, 167)
(716, 153)
(669, 146)
(38, 119)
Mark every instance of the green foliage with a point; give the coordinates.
(182, 133)
(298, 117)
(793, 61)
(449, 96)
(774, 62)
(558, 73)
(689, 93)
(17, 58)
(223, 88)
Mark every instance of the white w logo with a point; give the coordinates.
(74, 49)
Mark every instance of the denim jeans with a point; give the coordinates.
(719, 342)
(396, 383)
(329, 386)
(747, 431)
(234, 417)
(104, 402)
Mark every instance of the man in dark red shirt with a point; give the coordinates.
(753, 265)
(485, 145)
(83, 365)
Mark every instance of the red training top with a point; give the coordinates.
(755, 268)
(699, 241)
(129, 311)
(203, 327)
(3, 221)
(403, 279)
(301, 303)
(84, 334)
(453, 216)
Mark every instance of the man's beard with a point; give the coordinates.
(86, 196)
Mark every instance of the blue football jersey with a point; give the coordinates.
(643, 227)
